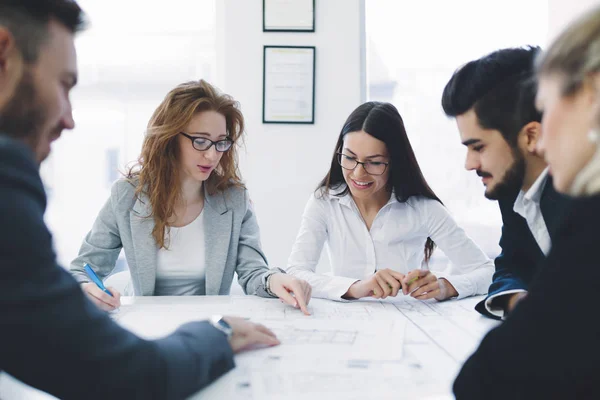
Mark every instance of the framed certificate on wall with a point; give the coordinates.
(289, 84)
(288, 15)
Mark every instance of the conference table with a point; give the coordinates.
(398, 348)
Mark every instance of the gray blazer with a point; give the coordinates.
(232, 242)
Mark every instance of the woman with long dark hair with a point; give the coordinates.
(381, 221)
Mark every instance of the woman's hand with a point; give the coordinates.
(293, 291)
(423, 285)
(383, 283)
(101, 299)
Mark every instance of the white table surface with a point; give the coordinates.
(435, 339)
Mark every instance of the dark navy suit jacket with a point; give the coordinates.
(547, 348)
(53, 338)
(521, 255)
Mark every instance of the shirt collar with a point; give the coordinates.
(346, 200)
(534, 194)
(535, 191)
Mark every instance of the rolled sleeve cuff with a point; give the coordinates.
(463, 285)
(335, 289)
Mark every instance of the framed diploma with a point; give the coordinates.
(288, 15)
(289, 84)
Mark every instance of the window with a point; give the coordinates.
(412, 50)
(112, 166)
(130, 56)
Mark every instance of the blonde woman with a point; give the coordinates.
(182, 214)
(548, 346)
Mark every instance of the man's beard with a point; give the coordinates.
(512, 181)
(23, 117)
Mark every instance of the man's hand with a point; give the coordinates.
(513, 300)
(248, 335)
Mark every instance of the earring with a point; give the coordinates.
(593, 136)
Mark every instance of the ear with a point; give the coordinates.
(595, 80)
(595, 93)
(11, 64)
(530, 134)
(7, 46)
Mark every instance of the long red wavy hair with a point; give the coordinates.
(156, 172)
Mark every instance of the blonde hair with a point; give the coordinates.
(575, 53)
(156, 173)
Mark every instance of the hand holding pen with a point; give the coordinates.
(106, 299)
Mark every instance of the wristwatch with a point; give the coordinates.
(267, 280)
(268, 285)
(218, 322)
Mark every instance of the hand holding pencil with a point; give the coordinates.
(422, 284)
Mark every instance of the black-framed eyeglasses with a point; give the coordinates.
(371, 167)
(203, 144)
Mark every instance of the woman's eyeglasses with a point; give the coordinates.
(371, 167)
(203, 144)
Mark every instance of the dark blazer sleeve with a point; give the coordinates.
(548, 346)
(53, 338)
(511, 261)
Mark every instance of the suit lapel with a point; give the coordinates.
(144, 245)
(553, 206)
(217, 234)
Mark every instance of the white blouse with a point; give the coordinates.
(396, 241)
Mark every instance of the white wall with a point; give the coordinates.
(282, 164)
(562, 12)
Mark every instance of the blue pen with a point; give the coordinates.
(95, 279)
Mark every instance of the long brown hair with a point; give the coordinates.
(156, 173)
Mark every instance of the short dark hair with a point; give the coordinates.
(27, 20)
(501, 89)
(383, 122)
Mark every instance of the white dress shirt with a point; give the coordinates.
(396, 241)
(527, 205)
(181, 268)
